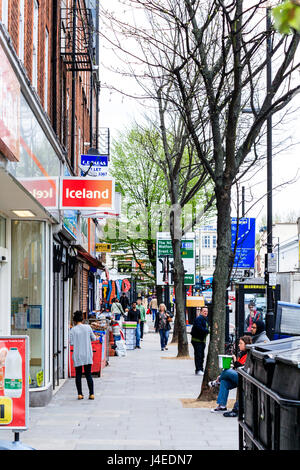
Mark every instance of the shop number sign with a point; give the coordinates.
(14, 382)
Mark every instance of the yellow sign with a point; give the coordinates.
(5, 410)
(195, 301)
(103, 247)
(40, 378)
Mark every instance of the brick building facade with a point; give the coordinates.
(48, 51)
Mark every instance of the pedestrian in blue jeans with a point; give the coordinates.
(229, 377)
(162, 325)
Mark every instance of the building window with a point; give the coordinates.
(5, 13)
(35, 44)
(46, 70)
(214, 260)
(206, 261)
(22, 30)
(28, 291)
(206, 241)
(2, 232)
(214, 241)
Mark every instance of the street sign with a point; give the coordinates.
(14, 382)
(244, 230)
(87, 193)
(165, 260)
(272, 262)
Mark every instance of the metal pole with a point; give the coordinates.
(270, 313)
(243, 201)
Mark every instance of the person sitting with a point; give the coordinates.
(258, 331)
(228, 379)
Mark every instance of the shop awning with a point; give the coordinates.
(91, 260)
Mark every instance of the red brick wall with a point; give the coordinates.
(82, 106)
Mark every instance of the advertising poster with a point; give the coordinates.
(14, 382)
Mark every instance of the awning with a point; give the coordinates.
(91, 260)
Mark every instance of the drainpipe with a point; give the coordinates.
(73, 130)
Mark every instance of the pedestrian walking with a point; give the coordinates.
(228, 379)
(153, 307)
(81, 337)
(199, 333)
(134, 315)
(162, 325)
(124, 301)
(117, 309)
(142, 310)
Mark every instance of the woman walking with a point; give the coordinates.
(162, 325)
(81, 337)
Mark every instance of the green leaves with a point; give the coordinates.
(286, 17)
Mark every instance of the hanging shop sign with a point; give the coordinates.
(14, 382)
(87, 193)
(9, 110)
(103, 247)
(44, 190)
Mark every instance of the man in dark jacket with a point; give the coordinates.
(135, 315)
(124, 301)
(199, 333)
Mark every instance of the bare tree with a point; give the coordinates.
(208, 60)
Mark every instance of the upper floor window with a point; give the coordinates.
(21, 29)
(214, 241)
(206, 241)
(35, 43)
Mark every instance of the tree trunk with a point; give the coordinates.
(220, 281)
(175, 230)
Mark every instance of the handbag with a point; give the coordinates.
(169, 319)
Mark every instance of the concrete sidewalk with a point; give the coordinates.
(137, 406)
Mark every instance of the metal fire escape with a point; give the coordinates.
(77, 29)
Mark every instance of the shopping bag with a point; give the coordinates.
(121, 348)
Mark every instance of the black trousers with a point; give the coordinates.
(199, 349)
(142, 329)
(88, 376)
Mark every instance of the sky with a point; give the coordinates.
(119, 112)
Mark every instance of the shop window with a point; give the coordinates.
(28, 291)
(2, 232)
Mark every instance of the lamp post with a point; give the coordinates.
(270, 303)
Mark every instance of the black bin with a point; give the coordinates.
(260, 363)
(286, 382)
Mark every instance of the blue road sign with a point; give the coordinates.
(97, 160)
(245, 251)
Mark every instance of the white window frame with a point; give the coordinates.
(46, 76)
(35, 43)
(206, 241)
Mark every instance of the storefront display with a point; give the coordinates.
(28, 291)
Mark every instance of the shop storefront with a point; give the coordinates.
(31, 162)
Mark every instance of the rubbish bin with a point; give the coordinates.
(260, 364)
(269, 416)
(286, 382)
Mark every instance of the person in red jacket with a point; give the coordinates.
(229, 377)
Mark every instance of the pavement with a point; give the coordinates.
(138, 406)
